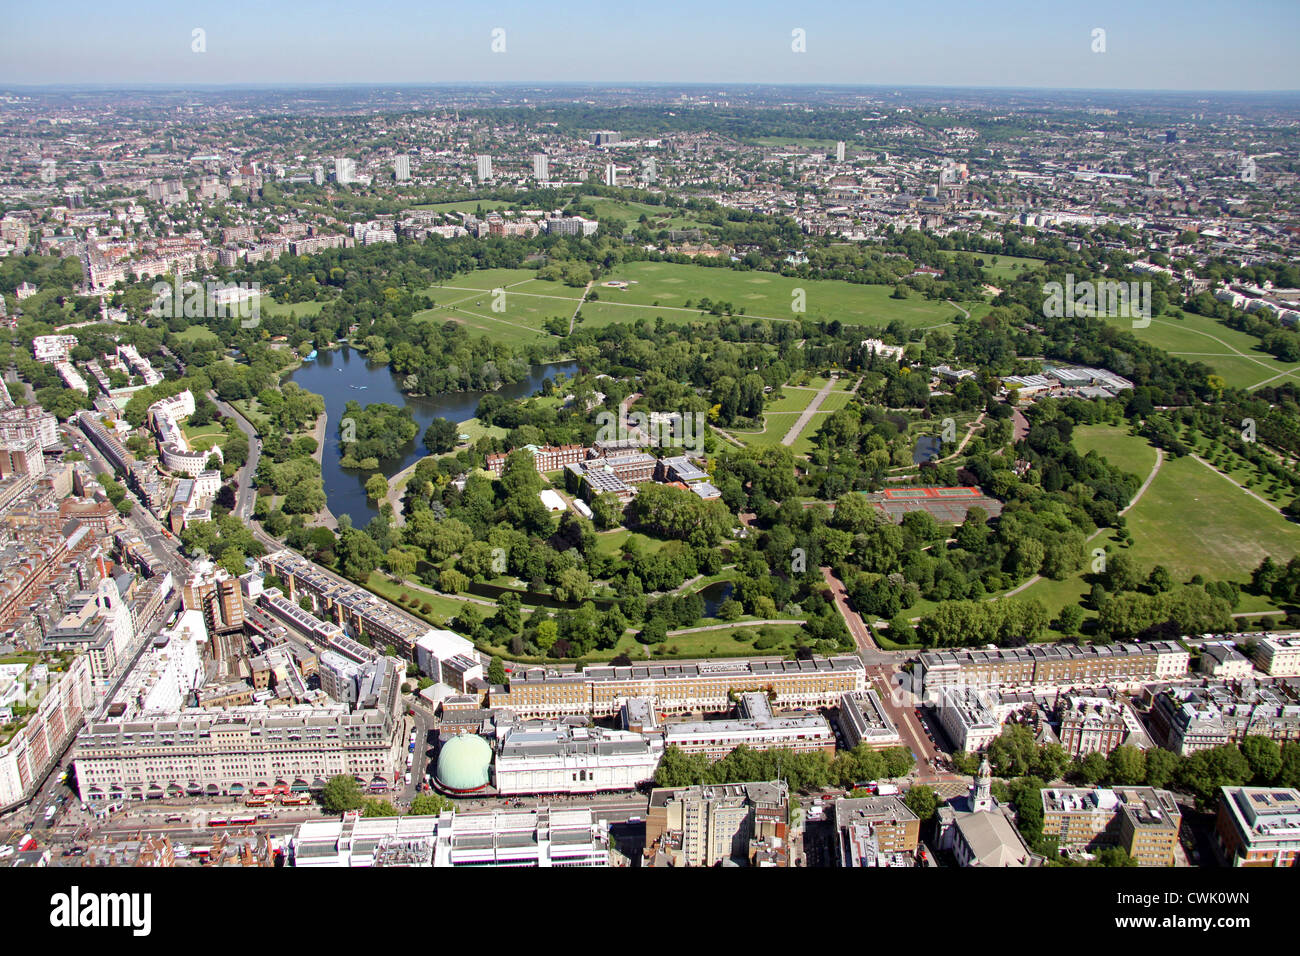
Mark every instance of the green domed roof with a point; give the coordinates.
(463, 762)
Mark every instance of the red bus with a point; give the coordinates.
(257, 801)
(243, 821)
(218, 822)
(295, 800)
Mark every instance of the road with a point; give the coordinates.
(868, 650)
(247, 494)
(159, 539)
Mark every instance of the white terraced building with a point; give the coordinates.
(553, 757)
(544, 837)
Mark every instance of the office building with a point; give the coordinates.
(876, 831)
(1060, 666)
(216, 752)
(755, 726)
(717, 824)
(345, 170)
(864, 720)
(1279, 656)
(1142, 821)
(1258, 826)
(1090, 724)
(1188, 719)
(839, 151)
(484, 167)
(354, 609)
(402, 168)
(541, 167)
(32, 743)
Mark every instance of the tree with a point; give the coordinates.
(1114, 856)
(547, 633)
(1126, 765)
(342, 793)
(401, 564)
(923, 801)
(430, 804)
(378, 808)
(1264, 757)
(496, 672)
(1093, 767)
(376, 487)
(1161, 768)
(440, 436)
(452, 581)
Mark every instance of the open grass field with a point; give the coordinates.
(661, 217)
(1234, 355)
(300, 309)
(795, 399)
(528, 303)
(1192, 520)
(475, 429)
(1128, 452)
(765, 295)
(200, 335)
(1006, 266)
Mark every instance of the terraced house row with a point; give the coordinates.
(679, 688)
(1053, 665)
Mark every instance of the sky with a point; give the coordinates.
(1148, 44)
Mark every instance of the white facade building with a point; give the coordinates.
(553, 757)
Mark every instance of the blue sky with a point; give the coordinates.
(1150, 44)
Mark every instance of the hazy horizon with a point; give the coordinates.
(1163, 45)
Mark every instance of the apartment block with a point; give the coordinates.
(679, 688)
(1142, 821)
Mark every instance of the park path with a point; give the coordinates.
(806, 415)
(1263, 501)
(969, 432)
(578, 308)
(735, 624)
(871, 653)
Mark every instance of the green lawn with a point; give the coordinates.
(1006, 266)
(200, 335)
(528, 302)
(300, 309)
(1234, 355)
(475, 429)
(1192, 520)
(203, 437)
(1123, 450)
(766, 295)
